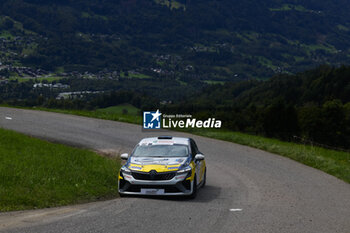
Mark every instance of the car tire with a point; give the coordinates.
(194, 192)
(122, 195)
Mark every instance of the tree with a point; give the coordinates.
(334, 123)
(280, 120)
(8, 24)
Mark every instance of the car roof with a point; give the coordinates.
(165, 140)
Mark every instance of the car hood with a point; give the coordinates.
(146, 164)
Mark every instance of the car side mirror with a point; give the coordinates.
(199, 157)
(124, 156)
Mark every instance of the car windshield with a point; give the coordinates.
(161, 151)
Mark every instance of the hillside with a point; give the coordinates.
(314, 87)
(191, 40)
(314, 105)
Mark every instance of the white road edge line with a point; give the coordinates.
(235, 210)
(8, 118)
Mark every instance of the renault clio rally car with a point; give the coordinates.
(163, 166)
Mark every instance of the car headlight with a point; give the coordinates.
(125, 170)
(184, 170)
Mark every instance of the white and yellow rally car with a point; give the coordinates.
(163, 166)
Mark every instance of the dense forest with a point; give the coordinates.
(214, 40)
(314, 104)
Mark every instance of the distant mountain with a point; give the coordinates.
(194, 39)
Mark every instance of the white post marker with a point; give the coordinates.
(235, 210)
(8, 118)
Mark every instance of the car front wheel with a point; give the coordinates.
(194, 192)
(204, 178)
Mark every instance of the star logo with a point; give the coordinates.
(151, 120)
(156, 115)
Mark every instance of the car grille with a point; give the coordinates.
(153, 175)
(167, 188)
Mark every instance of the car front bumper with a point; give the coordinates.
(177, 186)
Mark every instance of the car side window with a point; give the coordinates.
(194, 149)
(193, 152)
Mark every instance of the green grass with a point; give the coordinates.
(253, 36)
(135, 75)
(111, 113)
(313, 47)
(19, 79)
(174, 4)
(85, 15)
(308, 48)
(342, 27)
(59, 69)
(28, 50)
(223, 69)
(93, 16)
(6, 35)
(266, 62)
(289, 7)
(299, 59)
(333, 162)
(38, 174)
(177, 5)
(18, 26)
(212, 82)
(336, 163)
(123, 109)
(49, 79)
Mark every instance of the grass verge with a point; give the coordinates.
(38, 174)
(336, 163)
(122, 109)
(107, 114)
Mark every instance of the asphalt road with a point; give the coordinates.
(248, 190)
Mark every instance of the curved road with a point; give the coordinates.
(248, 190)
